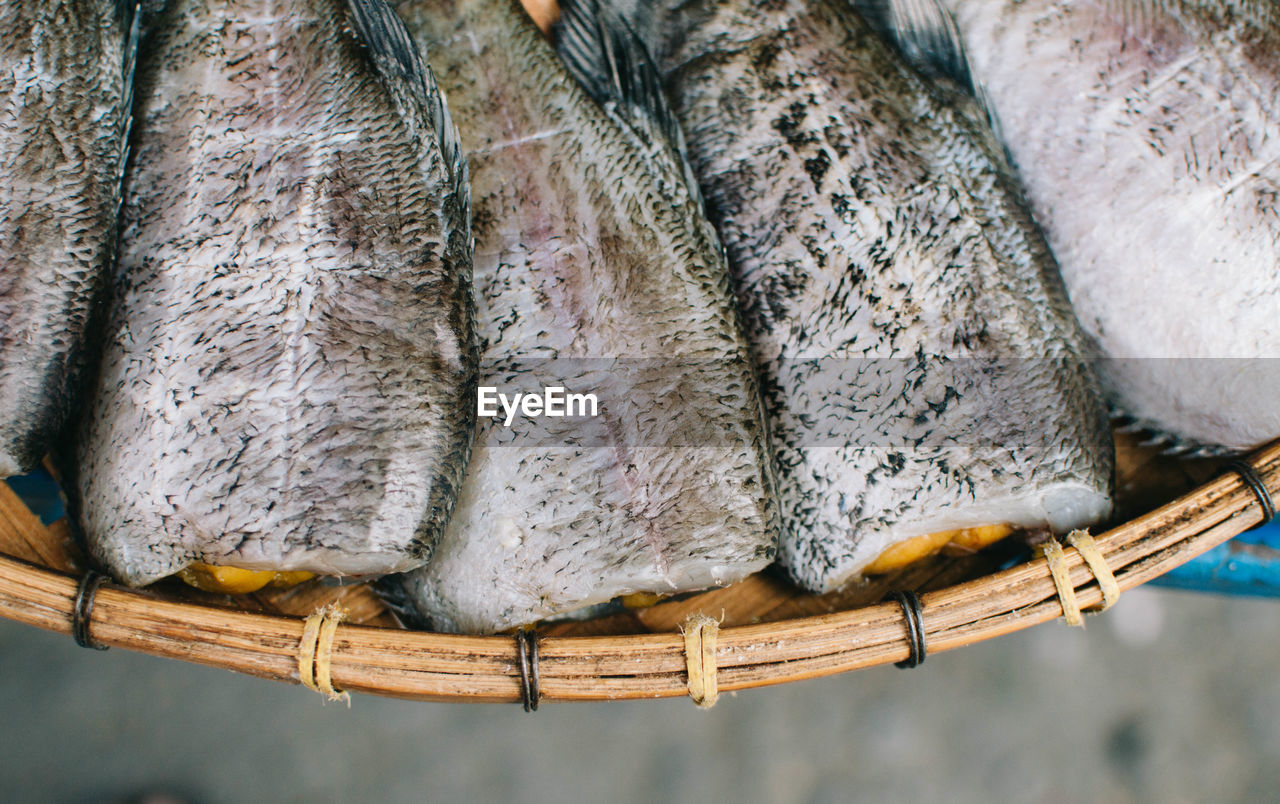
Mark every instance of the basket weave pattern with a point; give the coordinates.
(428, 666)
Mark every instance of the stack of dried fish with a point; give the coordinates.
(292, 359)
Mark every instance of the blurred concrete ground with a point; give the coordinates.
(1171, 696)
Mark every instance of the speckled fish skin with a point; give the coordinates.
(289, 377)
(591, 253)
(65, 72)
(922, 368)
(1146, 134)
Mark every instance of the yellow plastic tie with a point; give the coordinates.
(1084, 543)
(700, 657)
(315, 652)
(1062, 580)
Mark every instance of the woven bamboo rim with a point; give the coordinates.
(445, 667)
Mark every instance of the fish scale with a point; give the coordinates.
(922, 369)
(65, 72)
(290, 354)
(1145, 133)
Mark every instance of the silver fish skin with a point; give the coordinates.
(595, 268)
(289, 375)
(1147, 135)
(65, 75)
(922, 369)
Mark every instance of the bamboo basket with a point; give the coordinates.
(768, 632)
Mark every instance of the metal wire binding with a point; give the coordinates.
(527, 649)
(913, 613)
(82, 609)
(1250, 476)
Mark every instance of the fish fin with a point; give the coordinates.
(925, 33)
(129, 15)
(395, 56)
(394, 592)
(1171, 444)
(927, 36)
(609, 61)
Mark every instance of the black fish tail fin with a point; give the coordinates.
(1152, 434)
(129, 18)
(609, 61)
(394, 593)
(926, 34)
(395, 56)
(924, 31)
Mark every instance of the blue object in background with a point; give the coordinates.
(41, 494)
(1249, 564)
